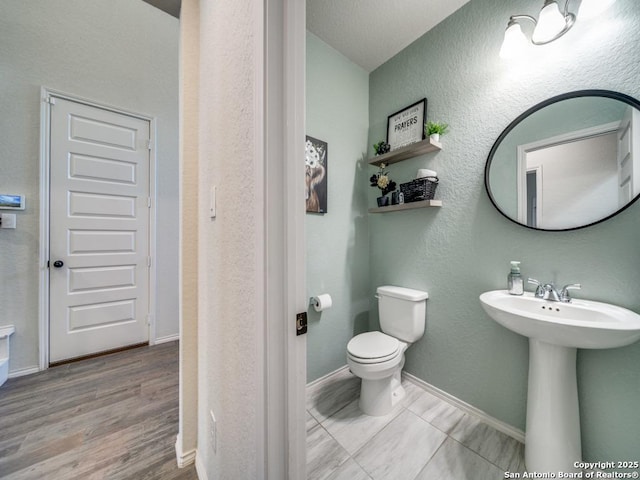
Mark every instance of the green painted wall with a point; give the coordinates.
(464, 248)
(337, 242)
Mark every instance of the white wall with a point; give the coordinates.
(118, 52)
(228, 300)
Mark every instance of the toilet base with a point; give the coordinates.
(378, 397)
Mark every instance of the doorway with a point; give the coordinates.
(98, 161)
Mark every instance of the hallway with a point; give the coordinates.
(110, 417)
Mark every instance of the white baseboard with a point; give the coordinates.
(200, 470)
(184, 458)
(499, 425)
(168, 338)
(23, 371)
(327, 377)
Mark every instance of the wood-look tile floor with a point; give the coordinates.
(422, 438)
(112, 417)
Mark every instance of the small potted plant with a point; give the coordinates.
(381, 147)
(435, 129)
(382, 181)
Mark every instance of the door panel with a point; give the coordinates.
(99, 230)
(101, 241)
(101, 314)
(102, 169)
(85, 204)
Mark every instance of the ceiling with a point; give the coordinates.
(367, 32)
(172, 7)
(370, 32)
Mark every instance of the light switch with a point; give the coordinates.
(8, 220)
(212, 203)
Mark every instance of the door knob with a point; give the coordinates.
(58, 263)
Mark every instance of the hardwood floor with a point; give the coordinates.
(111, 417)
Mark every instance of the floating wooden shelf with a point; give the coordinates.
(407, 206)
(413, 150)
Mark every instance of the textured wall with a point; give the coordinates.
(462, 249)
(337, 242)
(123, 53)
(227, 245)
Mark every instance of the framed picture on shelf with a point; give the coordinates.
(407, 126)
(316, 158)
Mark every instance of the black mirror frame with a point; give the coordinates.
(565, 96)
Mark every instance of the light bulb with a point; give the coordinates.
(550, 23)
(514, 41)
(592, 8)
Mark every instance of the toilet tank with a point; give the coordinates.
(402, 312)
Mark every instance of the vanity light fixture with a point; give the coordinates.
(552, 23)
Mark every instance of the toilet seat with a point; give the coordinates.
(373, 347)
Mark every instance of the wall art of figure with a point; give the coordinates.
(316, 175)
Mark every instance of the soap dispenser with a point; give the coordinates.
(515, 283)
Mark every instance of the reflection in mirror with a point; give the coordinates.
(568, 162)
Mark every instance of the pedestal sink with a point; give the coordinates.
(555, 330)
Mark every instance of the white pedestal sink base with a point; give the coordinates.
(553, 419)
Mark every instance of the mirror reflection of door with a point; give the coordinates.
(533, 196)
(579, 171)
(628, 138)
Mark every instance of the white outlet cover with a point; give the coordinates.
(8, 220)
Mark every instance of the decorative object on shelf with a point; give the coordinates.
(405, 126)
(383, 201)
(419, 189)
(382, 181)
(381, 147)
(316, 158)
(425, 172)
(551, 24)
(435, 129)
(395, 197)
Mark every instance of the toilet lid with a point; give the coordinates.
(372, 345)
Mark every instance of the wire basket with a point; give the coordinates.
(419, 189)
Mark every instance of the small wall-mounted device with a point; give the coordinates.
(7, 220)
(11, 202)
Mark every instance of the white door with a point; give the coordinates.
(99, 230)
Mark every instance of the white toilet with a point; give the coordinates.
(378, 357)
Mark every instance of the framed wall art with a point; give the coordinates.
(407, 125)
(11, 202)
(316, 175)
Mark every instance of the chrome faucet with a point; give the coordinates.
(564, 293)
(548, 291)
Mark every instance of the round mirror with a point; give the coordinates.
(568, 162)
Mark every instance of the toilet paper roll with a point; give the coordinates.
(321, 302)
(424, 172)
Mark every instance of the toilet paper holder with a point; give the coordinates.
(321, 302)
